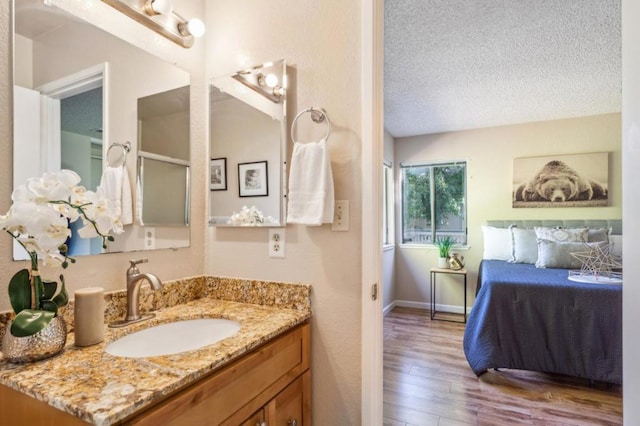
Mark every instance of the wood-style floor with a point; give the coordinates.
(427, 381)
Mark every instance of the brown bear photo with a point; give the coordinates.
(557, 184)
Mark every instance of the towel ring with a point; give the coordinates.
(318, 115)
(118, 157)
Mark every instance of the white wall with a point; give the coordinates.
(108, 270)
(321, 42)
(631, 209)
(489, 154)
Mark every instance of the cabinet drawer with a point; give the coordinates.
(245, 385)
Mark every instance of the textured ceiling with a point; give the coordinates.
(462, 64)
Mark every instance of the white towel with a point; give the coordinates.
(116, 185)
(310, 197)
(139, 220)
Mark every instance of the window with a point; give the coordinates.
(387, 208)
(434, 200)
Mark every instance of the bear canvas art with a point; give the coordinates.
(578, 180)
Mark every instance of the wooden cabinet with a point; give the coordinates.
(288, 408)
(270, 386)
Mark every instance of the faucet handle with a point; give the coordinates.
(133, 269)
(136, 262)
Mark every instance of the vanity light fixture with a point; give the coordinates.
(159, 16)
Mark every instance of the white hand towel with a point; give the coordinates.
(115, 183)
(139, 220)
(310, 197)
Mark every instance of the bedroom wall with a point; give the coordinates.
(489, 154)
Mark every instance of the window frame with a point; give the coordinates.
(432, 230)
(388, 202)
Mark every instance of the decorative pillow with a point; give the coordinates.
(557, 254)
(598, 234)
(615, 248)
(562, 234)
(525, 246)
(497, 243)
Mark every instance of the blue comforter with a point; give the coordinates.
(530, 318)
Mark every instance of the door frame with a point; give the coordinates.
(372, 155)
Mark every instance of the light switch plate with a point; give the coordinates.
(340, 216)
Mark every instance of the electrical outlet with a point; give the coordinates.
(149, 238)
(340, 216)
(276, 242)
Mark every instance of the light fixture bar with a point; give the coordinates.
(167, 25)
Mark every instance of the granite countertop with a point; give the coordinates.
(103, 389)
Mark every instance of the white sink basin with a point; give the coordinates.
(173, 338)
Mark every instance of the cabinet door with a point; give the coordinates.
(257, 419)
(291, 406)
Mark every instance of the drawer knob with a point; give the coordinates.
(292, 422)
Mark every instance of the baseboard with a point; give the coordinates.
(454, 309)
(388, 308)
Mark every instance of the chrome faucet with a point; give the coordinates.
(134, 281)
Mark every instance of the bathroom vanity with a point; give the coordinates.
(259, 376)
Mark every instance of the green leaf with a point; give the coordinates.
(49, 305)
(28, 322)
(50, 288)
(62, 298)
(20, 291)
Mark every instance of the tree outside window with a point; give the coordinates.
(433, 191)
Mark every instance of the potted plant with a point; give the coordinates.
(444, 245)
(39, 221)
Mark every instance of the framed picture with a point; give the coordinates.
(574, 180)
(253, 179)
(218, 174)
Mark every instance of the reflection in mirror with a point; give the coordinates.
(248, 139)
(85, 84)
(163, 159)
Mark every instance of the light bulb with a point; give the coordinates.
(193, 26)
(271, 80)
(158, 7)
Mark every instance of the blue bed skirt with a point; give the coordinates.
(530, 318)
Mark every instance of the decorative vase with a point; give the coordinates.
(443, 263)
(456, 261)
(44, 344)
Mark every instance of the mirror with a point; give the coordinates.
(248, 141)
(163, 158)
(86, 84)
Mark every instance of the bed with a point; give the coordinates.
(531, 318)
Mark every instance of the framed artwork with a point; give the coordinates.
(575, 180)
(218, 174)
(253, 179)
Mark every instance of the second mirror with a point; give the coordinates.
(248, 139)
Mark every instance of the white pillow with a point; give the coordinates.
(557, 254)
(562, 234)
(497, 243)
(525, 246)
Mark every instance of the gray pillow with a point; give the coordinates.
(562, 234)
(557, 254)
(525, 246)
(598, 234)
